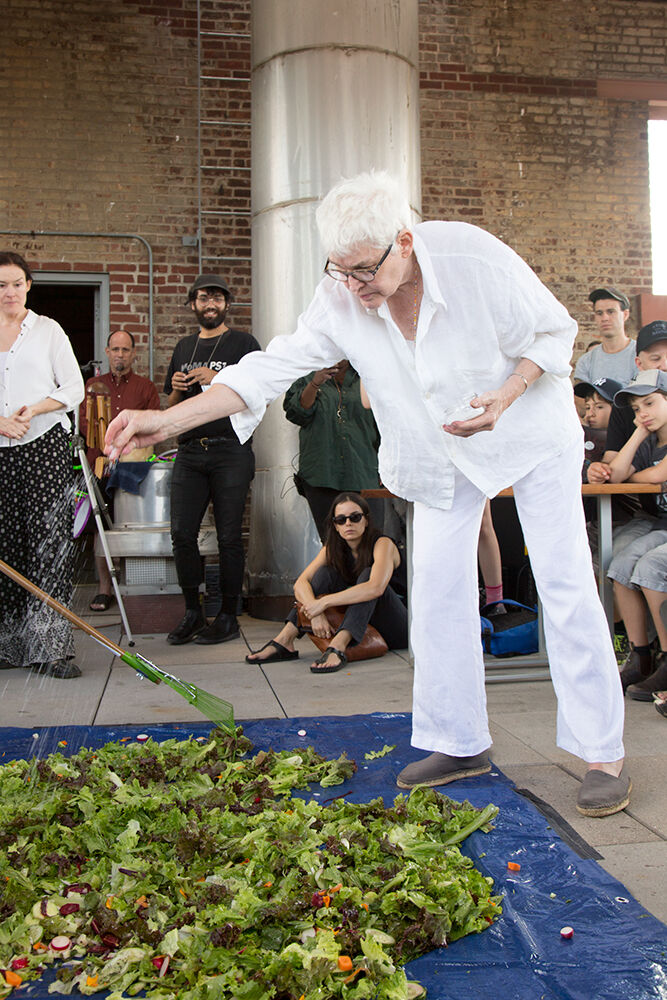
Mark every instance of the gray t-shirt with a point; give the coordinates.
(595, 364)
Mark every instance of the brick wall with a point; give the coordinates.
(99, 112)
(516, 140)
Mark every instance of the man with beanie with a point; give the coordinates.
(211, 465)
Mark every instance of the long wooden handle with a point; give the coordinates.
(60, 608)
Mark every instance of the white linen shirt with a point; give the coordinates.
(482, 310)
(39, 363)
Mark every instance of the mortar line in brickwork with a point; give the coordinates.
(221, 121)
(225, 34)
(205, 166)
(226, 79)
(233, 259)
(220, 211)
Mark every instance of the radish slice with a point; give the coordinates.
(567, 932)
(142, 737)
(61, 943)
(164, 967)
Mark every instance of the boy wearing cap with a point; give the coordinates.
(639, 569)
(598, 404)
(211, 465)
(615, 356)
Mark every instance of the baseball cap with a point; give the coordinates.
(609, 293)
(649, 334)
(209, 281)
(643, 384)
(605, 387)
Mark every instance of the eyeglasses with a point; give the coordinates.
(340, 519)
(364, 274)
(204, 297)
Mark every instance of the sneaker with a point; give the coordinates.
(57, 668)
(657, 681)
(631, 671)
(602, 794)
(223, 628)
(440, 769)
(190, 626)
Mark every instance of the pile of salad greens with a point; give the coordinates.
(188, 870)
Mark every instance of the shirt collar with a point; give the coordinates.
(29, 321)
(431, 286)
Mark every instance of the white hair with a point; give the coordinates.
(367, 210)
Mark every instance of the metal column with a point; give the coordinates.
(335, 91)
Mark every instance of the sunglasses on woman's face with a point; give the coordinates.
(353, 518)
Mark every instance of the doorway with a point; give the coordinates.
(80, 303)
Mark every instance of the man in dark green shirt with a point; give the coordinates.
(338, 440)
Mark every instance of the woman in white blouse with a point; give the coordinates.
(40, 381)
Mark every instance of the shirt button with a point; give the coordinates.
(427, 395)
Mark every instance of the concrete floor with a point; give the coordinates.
(633, 843)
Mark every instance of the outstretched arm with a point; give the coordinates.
(137, 428)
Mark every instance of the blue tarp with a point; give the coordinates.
(619, 950)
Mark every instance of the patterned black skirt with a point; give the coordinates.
(36, 521)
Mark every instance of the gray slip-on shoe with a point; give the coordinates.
(440, 769)
(602, 794)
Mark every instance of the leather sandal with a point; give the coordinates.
(281, 653)
(330, 668)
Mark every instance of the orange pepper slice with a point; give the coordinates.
(91, 980)
(345, 963)
(514, 866)
(12, 978)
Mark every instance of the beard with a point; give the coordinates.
(210, 317)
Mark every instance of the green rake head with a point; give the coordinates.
(219, 711)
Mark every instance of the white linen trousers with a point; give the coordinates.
(449, 703)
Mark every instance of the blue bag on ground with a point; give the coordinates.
(510, 634)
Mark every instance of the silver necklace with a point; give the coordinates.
(208, 360)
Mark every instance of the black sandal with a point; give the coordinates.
(331, 669)
(281, 653)
(102, 602)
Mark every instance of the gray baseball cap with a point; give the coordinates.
(643, 384)
(609, 293)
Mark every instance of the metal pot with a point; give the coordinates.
(151, 507)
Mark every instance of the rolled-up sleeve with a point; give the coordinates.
(262, 376)
(69, 388)
(539, 327)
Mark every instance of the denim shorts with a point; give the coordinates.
(640, 560)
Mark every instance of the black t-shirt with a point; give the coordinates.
(198, 352)
(621, 426)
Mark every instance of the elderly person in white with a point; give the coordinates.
(453, 335)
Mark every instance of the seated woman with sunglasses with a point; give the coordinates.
(354, 570)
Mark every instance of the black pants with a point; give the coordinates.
(221, 472)
(320, 498)
(386, 613)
